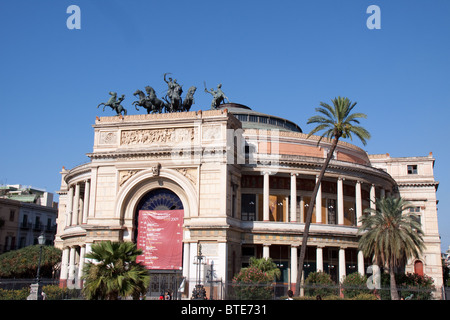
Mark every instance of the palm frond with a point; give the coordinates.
(337, 121)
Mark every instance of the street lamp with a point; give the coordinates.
(41, 240)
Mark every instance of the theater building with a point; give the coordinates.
(238, 183)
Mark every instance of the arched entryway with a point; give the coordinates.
(159, 221)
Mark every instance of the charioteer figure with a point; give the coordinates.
(218, 96)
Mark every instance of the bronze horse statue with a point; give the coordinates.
(114, 103)
(144, 102)
(189, 99)
(157, 104)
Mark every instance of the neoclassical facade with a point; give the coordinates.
(243, 181)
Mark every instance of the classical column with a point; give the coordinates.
(266, 250)
(71, 265)
(361, 262)
(372, 197)
(294, 265)
(293, 197)
(64, 267)
(193, 250)
(186, 256)
(222, 265)
(266, 196)
(319, 259)
(69, 206)
(340, 201)
(302, 209)
(342, 268)
(319, 203)
(87, 190)
(382, 193)
(358, 201)
(76, 201)
(81, 265)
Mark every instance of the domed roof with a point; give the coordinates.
(251, 119)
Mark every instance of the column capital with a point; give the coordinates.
(294, 174)
(264, 172)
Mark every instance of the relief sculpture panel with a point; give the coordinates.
(169, 136)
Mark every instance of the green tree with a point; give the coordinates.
(337, 122)
(23, 263)
(390, 236)
(114, 271)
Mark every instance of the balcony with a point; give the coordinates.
(26, 225)
(50, 228)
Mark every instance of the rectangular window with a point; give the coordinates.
(11, 215)
(253, 118)
(416, 211)
(248, 207)
(412, 169)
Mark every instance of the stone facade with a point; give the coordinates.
(243, 191)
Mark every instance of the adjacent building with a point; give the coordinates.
(235, 183)
(25, 214)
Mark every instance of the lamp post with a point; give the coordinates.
(199, 292)
(41, 240)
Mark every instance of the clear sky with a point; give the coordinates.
(278, 57)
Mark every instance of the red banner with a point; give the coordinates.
(160, 237)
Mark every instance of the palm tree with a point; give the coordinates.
(114, 271)
(338, 122)
(390, 236)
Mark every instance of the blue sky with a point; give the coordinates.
(278, 57)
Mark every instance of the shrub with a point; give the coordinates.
(320, 283)
(365, 296)
(415, 286)
(355, 284)
(252, 284)
(54, 292)
(20, 294)
(410, 285)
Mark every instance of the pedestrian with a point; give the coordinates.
(290, 295)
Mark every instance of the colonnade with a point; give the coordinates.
(72, 264)
(319, 260)
(77, 207)
(339, 197)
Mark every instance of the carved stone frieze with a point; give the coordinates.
(168, 136)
